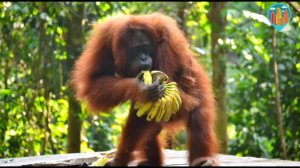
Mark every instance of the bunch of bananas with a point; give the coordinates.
(163, 108)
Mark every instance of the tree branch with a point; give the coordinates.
(277, 97)
(295, 6)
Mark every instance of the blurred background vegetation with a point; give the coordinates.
(40, 41)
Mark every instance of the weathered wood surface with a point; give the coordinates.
(173, 158)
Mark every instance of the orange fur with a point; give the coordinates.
(94, 80)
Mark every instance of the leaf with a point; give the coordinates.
(59, 30)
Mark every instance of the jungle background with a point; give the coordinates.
(258, 96)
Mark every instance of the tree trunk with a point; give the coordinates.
(74, 126)
(219, 70)
(74, 38)
(277, 97)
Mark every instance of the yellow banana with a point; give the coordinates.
(169, 107)
(161, 110)
(142, 110)
(175, 100)
(153, 112)
(147, 77)
(168, 111)
(137, 105)
(172, 90)
(159, 113)
(100, 162)
(171, 86)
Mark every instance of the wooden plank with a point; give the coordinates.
(173, 158)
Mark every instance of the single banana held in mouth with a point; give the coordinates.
(163, 108)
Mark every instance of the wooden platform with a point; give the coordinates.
(173, 158)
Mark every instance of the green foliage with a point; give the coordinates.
(251, 90)
(102, 131)
(34, 73)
